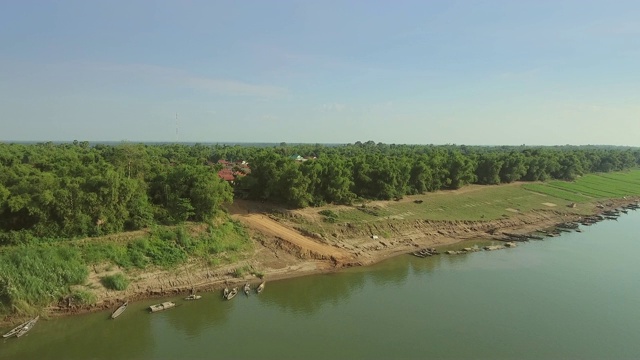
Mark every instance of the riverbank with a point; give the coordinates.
(291, 243)
(282, 250)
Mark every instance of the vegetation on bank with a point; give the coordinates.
(480, 203)
(60, 202)
(115, 282)
(77, 190)
(35, 275)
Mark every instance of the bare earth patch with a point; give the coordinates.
(549, 204)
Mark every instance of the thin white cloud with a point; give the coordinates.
(154, 73)
(333, 107)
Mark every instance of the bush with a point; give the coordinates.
(115, 282)
(83, 297)
(371, 212)
(328, 213)
(329, 216)
(241, 271)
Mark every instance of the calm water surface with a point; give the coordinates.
(571, 297)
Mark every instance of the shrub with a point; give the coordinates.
(241, 271)
(115, 282)
(83, 297)
(328, 213)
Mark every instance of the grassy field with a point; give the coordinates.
(493, 202)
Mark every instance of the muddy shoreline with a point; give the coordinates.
(281, 257)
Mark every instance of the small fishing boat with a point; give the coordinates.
(225, 293)
(193, 297)
(120, 310)
(247, 288)
(16, 329)
(163, 306)
(232, 293)
(28, 326)
(260, 288)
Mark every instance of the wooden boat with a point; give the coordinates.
(232, 293)
(260, 288)
(164, 306)
(120, 310)
(193, 297)
(247, 288)
(225, 293)
(28, 326)
(16, 329)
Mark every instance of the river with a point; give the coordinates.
(574, 296)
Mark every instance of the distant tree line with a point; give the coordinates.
(341, 174)
(72, 190)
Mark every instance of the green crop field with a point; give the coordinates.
(632, 177)
(584, 189)
(592, 187)
(557, 193)
(492, 202)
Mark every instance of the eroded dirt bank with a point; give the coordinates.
(282, 250)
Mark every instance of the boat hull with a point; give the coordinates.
(161, 307)
(119, 310)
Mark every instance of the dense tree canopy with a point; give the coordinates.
(70, 190)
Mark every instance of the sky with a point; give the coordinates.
(404, 72)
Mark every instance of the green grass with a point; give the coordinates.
(481, 204)
(115, 282)
(602, 186)
(33, 276)
(628, 178)
(242, 271)
(557, 193)
(83, 297)
(169, 247)
(360, 214)
(493, 202)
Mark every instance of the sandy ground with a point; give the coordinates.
(281, 251)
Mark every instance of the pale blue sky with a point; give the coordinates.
(427, 72)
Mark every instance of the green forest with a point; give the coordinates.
(75, 190)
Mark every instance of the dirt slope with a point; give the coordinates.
(308, 247)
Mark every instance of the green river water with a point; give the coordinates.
(570, 297)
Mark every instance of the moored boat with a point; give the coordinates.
(28, 326)
(247, 288)
(164, 306)
(120, 310)
(260, 287)
(15, 330)
(232, 293)
(225, 293)
(193, 297)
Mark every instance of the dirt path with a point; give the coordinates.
(269, 227)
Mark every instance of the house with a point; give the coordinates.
(232, 170)
(226, 175)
